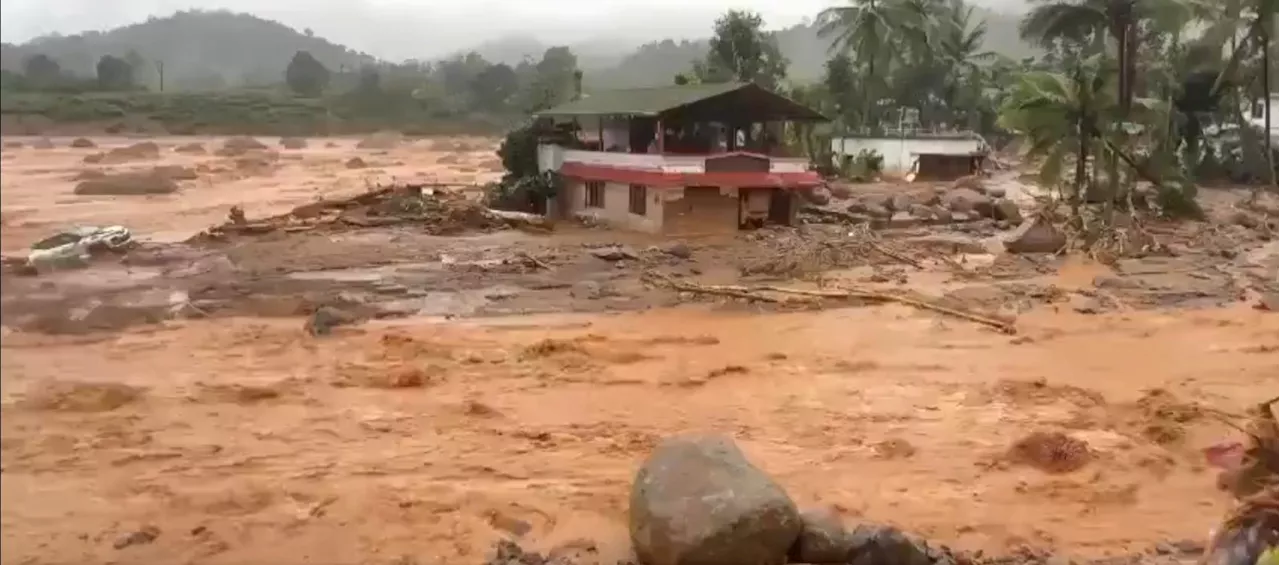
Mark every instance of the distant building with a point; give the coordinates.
(1257, 118)
(932, 156)
(679, 159)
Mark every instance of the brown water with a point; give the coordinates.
(243, 440)
(273, 447)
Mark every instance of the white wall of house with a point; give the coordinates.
(616, 211)
(900, 153)
(1257, 117)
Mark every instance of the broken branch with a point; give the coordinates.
(756, 293)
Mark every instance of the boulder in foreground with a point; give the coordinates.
(823, 539)
(697, 500)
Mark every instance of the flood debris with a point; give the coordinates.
(1249, 531)
(324, 319)
(1051, 452)
(435, 210)
(782, 295)
(72, 249)
(143, 535)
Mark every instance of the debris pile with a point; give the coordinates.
(1250, 473)
(436, 211)
(967, 200)
(72, 249)
(810, 298)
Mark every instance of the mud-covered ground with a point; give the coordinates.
(167, 406)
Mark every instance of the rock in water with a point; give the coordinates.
(1008, 211)
(697, 500)
(324, 319)
(878, 545)
(1035, 236)
(967, 200)
(823, 539)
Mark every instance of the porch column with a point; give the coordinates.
(661, 134)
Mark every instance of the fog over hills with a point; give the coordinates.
(618, 42)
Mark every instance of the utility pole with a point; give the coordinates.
(160, 73)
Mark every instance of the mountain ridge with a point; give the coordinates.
(218, 49)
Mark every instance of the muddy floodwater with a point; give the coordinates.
(500, 402)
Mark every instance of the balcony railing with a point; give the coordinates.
(551, 157)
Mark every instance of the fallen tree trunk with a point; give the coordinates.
(759, 293)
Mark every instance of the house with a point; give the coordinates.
(1257, 118)
(932, 156)
(688, 159)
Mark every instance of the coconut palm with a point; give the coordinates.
(960, 41)
(865, 29)
(1089, 21)
(1246, 27)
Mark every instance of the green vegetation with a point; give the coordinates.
(242, 112)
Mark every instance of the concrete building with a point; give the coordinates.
(934, 156)
(681, 159)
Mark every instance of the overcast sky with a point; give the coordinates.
(400, 29)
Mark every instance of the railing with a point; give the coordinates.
(550, 157)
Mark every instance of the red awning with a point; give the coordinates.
(670, 180)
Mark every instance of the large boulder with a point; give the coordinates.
(145, 150)
(697, 500)
(1035, 236)
(237, 146)
(127, 184)
(1008, 211)
(967, 200)
(293, 143)
(823, 539)
(876, 545)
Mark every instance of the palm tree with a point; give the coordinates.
(1066, 118)
(960, 42)
(1087, 21)
(1246, 26)
(865, 28)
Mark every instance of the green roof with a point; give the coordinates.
(660, 100)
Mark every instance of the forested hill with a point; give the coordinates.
(200, 50)
(211, 50)
(657, 62)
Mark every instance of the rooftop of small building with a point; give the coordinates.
(719, 102)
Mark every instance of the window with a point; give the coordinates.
(595, 194)
(639, 194)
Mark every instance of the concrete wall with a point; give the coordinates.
(616, 211)
(899, 154)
